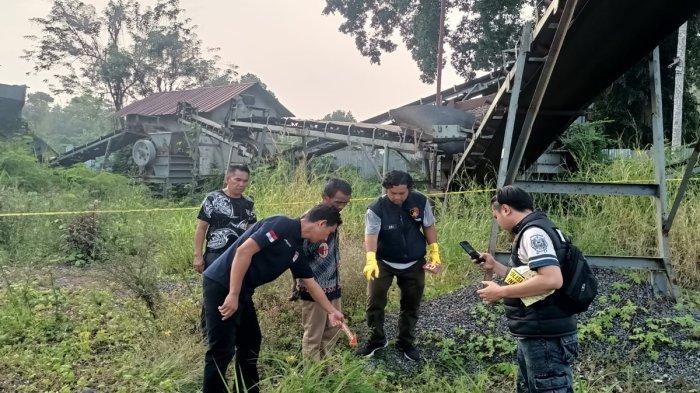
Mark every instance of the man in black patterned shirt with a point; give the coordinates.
(224, 216)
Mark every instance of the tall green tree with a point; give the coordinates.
(252, 78)
(339, 115)
(375, 24)
(122, 51)
(37, 110)
(627, 101)
(485, 28)
(169, 51)
(82, 119)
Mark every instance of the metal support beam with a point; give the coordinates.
(297, 128)
(385, 162)
(436, 166)
(676, 128)
(611, 261)
(513, 104)
(540, 89)
(689, 169)
(428, 172)
(371, 161)
(106, 155)
(525, 41)
(228, 162)
(582, 188)
(662, 282)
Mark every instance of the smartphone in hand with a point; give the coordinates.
(473, 254)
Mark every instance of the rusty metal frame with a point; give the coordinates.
(690, 166)
(521, 58)
(540, 89)
(661, 271)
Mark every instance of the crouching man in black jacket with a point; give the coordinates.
(260, 255)
(545, 330)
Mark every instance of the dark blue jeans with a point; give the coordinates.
(545, 364)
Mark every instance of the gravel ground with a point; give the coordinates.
(448, 315)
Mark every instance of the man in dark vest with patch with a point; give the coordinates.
(537, 316)
(397, 227)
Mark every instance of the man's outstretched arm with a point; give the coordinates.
(241, 262)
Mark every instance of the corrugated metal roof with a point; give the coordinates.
(204, 99)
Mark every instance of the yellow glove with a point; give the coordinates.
(371, 270)
(434, 254)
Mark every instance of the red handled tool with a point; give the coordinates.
(351, 336)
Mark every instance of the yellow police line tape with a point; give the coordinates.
(170, 209)
(163, 209)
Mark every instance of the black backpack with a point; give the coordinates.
(580, 286)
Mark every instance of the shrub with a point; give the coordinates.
(128, 260)
(82, 238)
(585, 143)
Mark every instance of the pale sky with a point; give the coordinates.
(299, 53)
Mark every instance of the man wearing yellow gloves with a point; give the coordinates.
(396, 247)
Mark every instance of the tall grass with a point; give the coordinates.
(599, 225)
(122, 345)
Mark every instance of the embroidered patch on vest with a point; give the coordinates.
(322, 250)
(538, 243)
(414, 212)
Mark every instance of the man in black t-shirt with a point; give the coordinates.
(259, 256)
(224, 216)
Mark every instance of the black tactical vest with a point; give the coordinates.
(546, 318)
(400, 237)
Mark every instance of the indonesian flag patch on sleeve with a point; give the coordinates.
(271, 236)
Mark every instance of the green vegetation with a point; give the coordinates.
(141, 50)
(110, 301)
(83, 119)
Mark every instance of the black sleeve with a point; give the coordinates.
(271, 231)
(253, 217)
(309, 248)
(301, 268)
(205, 210)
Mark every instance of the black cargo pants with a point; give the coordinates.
(411, 282)
(238, 335)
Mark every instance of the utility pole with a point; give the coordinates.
(677, 127)
(441, 38)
